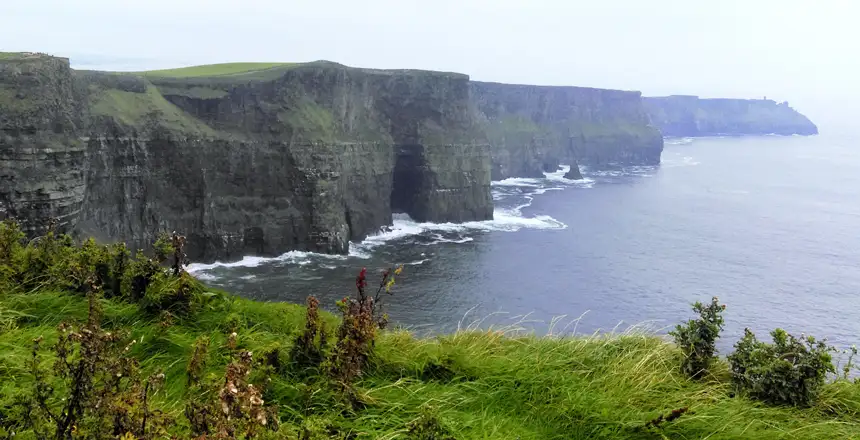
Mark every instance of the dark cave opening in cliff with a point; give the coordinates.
(407, 179)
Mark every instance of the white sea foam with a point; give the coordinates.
(292, 257)
(518, 181)
(678, 141)
(357, 250)
(558, 177)
(540, 191)
(205, 276)
(244, 262)
(504, 220)
(438, 238)
(418, 262)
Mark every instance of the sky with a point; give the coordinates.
(804, 52)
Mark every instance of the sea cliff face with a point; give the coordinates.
(305, 157)
(285, 157)
(691, 116)
(534, 128)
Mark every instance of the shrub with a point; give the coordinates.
(354, 339)
(309, 347)
(44, 261)
(95, 390)
(362, 316)
(697, 338)
(176, 294)
(11, 246)
(54, 261)
(119, 262)
(237, 409)
(790, 371)
(88, 262)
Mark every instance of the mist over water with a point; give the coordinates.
(769, 224)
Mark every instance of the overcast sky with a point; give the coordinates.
(805, 52)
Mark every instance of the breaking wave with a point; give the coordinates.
(292, 257)
(511, 197)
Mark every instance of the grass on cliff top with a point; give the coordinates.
(480, 384)
(139, 110)
(208, 70)
(7, 56)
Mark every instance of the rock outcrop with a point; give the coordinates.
(690, 116)
(303, 157)
(42, 160)
(532, 129)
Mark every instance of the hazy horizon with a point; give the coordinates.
(786, 50)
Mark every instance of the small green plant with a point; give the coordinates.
(428, 426)
(308, 349)
(850, 363)
(790, 371)
(697, 338)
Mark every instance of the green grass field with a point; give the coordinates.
(479, 384)
(210, 70)
(6, 56)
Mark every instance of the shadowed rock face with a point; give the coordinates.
(42, 163)
(691, 116)
(532, 129)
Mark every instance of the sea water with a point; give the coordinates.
(770, 225)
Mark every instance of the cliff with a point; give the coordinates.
(262, 158)
(692, 116)
(259, 161)
(533, 128)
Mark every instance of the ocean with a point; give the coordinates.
(770, 225)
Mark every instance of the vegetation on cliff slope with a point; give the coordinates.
(137, 110)
(169, 356)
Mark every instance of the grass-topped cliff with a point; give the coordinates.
(248, 158)
(683, 115)
(208, 70)
(534, 128)
(264, 158)
(125, 347)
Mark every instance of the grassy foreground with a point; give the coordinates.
(479, 385)
(157, 354)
